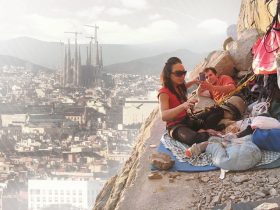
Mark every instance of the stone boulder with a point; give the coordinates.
(255, 14)
(155, 175)
(161, 161)
(240, 50)
(221, 60)
(267, 206)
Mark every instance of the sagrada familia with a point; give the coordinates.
(75, 74)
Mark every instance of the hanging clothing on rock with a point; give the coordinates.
(266, 48)
(266, 63)
(265, 51)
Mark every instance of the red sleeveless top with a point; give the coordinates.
(173, 102)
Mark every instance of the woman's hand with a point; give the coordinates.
(168, 114)
(189, 104)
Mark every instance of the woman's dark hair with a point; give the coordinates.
(165, 79)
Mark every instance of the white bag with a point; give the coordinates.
(243, 124)
(260, 108)
(263, 122)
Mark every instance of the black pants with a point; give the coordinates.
(186, 131)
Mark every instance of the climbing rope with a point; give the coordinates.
(236, 90)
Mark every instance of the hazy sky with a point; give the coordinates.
(120, 21)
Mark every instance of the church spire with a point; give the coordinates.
(97, 55)
(101, 58)
(64, 76)
(89, 56)
(68, 71)
(79, 66)
(75, 79)
(87, 61)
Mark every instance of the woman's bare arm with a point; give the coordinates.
(192, 82)
(168, 114)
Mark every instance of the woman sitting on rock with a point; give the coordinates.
(174, 106)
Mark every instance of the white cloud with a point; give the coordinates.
(52, 28)
(47, 20)
(92, 12)
(114, 11)
(40, 27)
(213, 26)
(135, 4)
(154, 17)
(154, 32)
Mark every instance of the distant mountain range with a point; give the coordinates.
(51, 54)
(13, 61)
(154, 64)
(141, 59)
(32, 50)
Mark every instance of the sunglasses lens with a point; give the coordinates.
(180, 73)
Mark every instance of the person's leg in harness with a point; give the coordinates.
(211, 118)
(187, 132)
(188, 136)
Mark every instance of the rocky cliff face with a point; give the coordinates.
(116, 188)
(236, 58)
(130, 189)
(255, 14)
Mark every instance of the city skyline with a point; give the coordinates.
(50, 133)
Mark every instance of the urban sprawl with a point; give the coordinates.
(64, 133)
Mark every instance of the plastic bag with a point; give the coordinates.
(263, 122)
(243, 124)
(260, 108)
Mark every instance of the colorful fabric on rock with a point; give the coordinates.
(265, 51)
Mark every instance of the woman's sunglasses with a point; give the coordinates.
(179, 73)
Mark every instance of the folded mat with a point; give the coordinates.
(184, 166)
(176, 150)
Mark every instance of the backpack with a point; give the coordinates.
(267, 139)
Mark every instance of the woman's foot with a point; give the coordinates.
(193, 151)
(213, 132)
(201, 131)
(196, 149)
